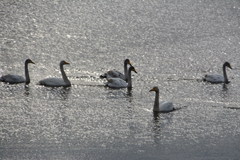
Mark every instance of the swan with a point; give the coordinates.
(215, 78)
(163, 106)
(13, 79)
(57, 82)
(117, 74)
(120, 83)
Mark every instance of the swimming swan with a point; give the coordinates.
(215, 78)
(12, 79)
(162, 106)
(57, 82)
(120, 83)
(117, 74)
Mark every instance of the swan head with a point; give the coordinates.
(63, 62)
(227, 64)
(154, 89)
(127, 61)
(132, 69)
(29, 61)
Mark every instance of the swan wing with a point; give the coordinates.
(11, 78)
(113, 74)
(166, 106)
(52, 82)
(214, 78)
(116, 83)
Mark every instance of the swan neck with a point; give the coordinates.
(27, 81)
(225, 74)
(125, 71)
(129, 79)
(65, 79)
(156, 102)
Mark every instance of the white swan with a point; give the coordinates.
(120, 83)
(215, 78)
(12, 79)
(117, 74)
(163, 106)
(57, 82)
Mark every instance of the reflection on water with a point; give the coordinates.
(172, 46)
(224, 93)
(27, 89)
(129, 95)
(120, 93)
(156, 127)
(56, 92)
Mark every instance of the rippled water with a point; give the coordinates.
(171, 44)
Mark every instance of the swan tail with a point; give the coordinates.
(103, 76)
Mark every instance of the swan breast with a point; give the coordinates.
(116, 83)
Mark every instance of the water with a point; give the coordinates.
(171, 44)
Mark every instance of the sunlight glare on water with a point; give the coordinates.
(171, 44)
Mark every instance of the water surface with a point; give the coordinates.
(171, 44)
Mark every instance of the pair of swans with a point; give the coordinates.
(49, 82)
(116, 79)
(117, 74)
(165, 106)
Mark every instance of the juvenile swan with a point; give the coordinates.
(12, 78)
(120, 83)
(215, 78)
(117, 74)
(57, 82)
(162, 106)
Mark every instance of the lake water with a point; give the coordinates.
(172, 45)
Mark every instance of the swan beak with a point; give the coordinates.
(135, 71)
(66, 62)
(229, 66)
(32, 62)
(152, 90)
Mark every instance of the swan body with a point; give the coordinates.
(57, 82)
(120, 83)
(117, 74)
(216, 78)
(13, 79)
(163, 106)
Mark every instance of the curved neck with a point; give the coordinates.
(156, 102)
(129, 79)
(27, 81)
(65, 79)
(125, 71)
(225, 74)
